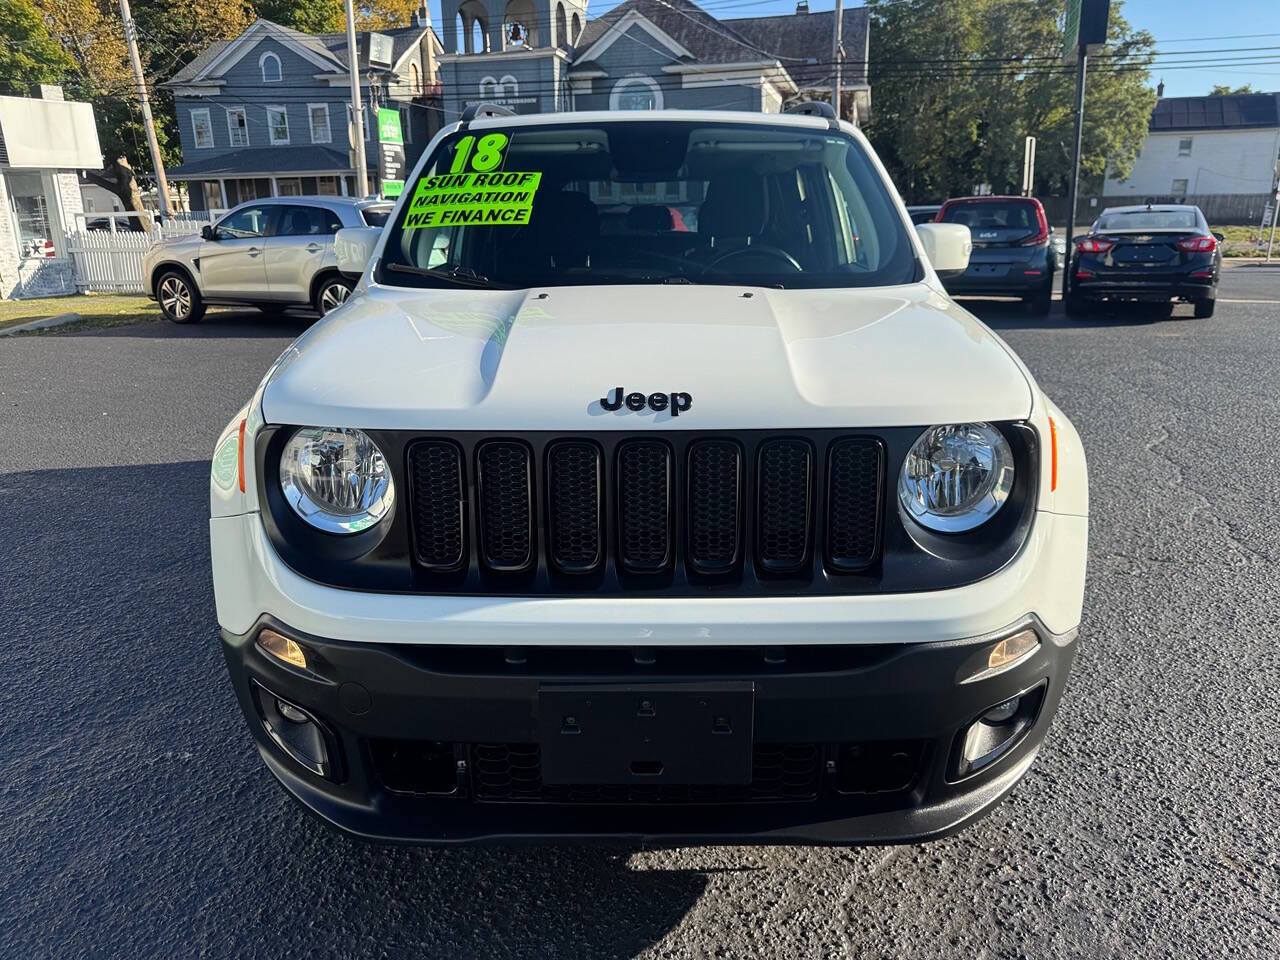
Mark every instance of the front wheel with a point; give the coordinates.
(179, 299)
(331, 294)
(1204, 308)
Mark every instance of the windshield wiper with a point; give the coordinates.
(461, 275)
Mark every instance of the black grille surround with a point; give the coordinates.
(816, 513)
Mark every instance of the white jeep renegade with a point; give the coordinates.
(649, 485)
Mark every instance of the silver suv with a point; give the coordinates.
(272, 253)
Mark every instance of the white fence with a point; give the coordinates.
(110, 259)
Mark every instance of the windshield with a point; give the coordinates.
(1149, 220)
(648, 202)
(375, 216)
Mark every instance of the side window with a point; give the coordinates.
(244, 224)
(307, 222)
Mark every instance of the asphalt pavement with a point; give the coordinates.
(137, 820)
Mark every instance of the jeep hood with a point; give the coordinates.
(542, 359)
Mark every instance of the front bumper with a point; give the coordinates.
(852, 744)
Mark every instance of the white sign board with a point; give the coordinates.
(49, 134)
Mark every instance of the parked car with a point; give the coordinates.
(97, 224)
(555, 532)
(1154, 254)
(1013, 253)
(924, 214)
(272, 253)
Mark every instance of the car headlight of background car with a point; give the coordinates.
(956, 477)
(336, 479)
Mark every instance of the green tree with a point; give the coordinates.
(28, 55)
(1226, 90)
(957, 86)
(327, 16)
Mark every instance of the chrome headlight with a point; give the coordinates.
(336, 479)
(956, 477)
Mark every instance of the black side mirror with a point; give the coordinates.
(208, 233)
(1221, 238)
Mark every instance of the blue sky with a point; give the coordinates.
(1180, 27)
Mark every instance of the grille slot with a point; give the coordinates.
(644, 506)
(512, 773)
(505, 494)
(714, 506)
(439, 504)
(573, 498)
(853, 503)
(783, 509)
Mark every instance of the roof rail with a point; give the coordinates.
(815, 108)
(482, 111)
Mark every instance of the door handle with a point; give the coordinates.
(254, 251)
(313, 248)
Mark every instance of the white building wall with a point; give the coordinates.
(1221, 162)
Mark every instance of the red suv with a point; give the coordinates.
(1012, 250)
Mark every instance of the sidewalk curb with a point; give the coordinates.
(42, 323)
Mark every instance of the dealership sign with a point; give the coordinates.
(390, 153)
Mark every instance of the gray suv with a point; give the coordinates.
(272, 253)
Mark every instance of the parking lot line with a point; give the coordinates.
(1224, 300)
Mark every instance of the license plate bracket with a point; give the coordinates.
(646, 733)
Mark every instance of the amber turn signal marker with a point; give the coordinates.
(240, 453)
(1012, 649)
(283, 649)
(1052, 448)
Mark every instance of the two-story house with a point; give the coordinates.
(537, 56)
(269, 113)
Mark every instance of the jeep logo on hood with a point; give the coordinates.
(677, 403)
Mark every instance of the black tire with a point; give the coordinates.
(1204, 308)
(331, 293)
(1074, 305)
(272, 309)
(1039, 303)
(179, 299)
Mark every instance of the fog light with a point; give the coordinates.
(290, 712)
(998, 714)
(994, 733)
(283, 649)
(295, 731)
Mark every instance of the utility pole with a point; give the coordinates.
(837, 54)
(1082, 65)
(357, 110)
(157, 162)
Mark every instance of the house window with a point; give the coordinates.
(202, 129)
(635, 93)
(487, 86)
(237, 127)
(415, 79)
(33, 206)
(318, 114)
(288, 187)
(278, 125)
(328, 187)
(1184, 147)
(269, 63)
(507, 87)
(1180, 188)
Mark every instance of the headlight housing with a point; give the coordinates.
(336, 479)
(956, 477)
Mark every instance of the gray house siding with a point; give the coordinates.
(538, 85)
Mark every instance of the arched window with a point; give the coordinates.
(473, 26)
(487, 87)
(479, 36)
(561, 38)
(415, 79)
(520, 25)
(269, 64)
(509, 86)
(460, 34)
(577, 29)
(635, 93)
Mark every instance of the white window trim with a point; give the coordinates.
(1190, 142)
(231, 130)
(487, 86)
(619, 88)
(509, 91)
(262, 67)
(311, 123)
(195, 131)
(271, 131)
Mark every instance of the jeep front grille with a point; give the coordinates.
(562, 514)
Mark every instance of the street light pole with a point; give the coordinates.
(357, 110)
(144, 102)
(1075, 164)
(837, 51)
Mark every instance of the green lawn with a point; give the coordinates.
(98, 310)
(1240, 241)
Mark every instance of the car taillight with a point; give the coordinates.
(1094, 245)
(1198, 244)
(1035, 239)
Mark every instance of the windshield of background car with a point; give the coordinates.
(647, 202)
(1149, 220)
(995, 221)
(375, 216)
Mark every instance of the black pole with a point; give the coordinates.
(1075, 166)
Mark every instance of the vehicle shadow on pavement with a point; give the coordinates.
(239, 325)
(142, 820)
(1010, 315)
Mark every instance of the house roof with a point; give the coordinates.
(709, 40)
(265, 162)
(330, 47)
(799, 37)
(1233, 112)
